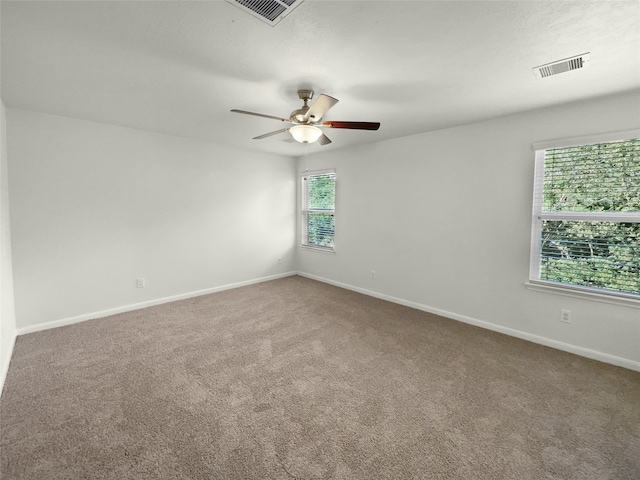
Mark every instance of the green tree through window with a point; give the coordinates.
(587, 216)
(318, 209)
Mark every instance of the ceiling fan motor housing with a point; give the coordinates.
(299, 115)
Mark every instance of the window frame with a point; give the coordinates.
(538, 216)
(305, 210)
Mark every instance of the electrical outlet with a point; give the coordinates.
(565, 316)
(279, 260)
(373, 274)
(140, 283)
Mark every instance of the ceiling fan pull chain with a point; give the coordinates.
(306, 157)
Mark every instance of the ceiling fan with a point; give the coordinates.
(307, 120)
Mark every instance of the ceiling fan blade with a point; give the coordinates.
(269, 134)
(323, 140)
(352, 125)
(320, 107)
(262, 115)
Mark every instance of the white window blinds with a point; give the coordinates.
(318, 209)
(586, 217)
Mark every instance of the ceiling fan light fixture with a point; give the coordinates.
(305, 133)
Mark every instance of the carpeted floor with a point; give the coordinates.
(295, 379)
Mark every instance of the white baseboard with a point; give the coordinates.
(6, 360)
(566, 347)
(584, 352)
(150, 303)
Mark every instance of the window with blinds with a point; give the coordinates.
(318, 209)
(586, 216)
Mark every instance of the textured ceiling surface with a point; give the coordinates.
(178, 67)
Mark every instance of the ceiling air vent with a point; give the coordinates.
(269, 11)
(561, 66)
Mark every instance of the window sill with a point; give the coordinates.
(622, 300)
(319, 249)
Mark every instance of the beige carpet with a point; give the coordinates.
(295, 379)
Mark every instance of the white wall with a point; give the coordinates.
(442, 217)
(444, 220)
(95, 206)
(7, 314)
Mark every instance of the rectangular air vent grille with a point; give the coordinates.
(561, 66)
(269, 11)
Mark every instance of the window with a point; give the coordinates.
(586, 215)
(318, 209)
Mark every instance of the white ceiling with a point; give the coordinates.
(178, 67)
